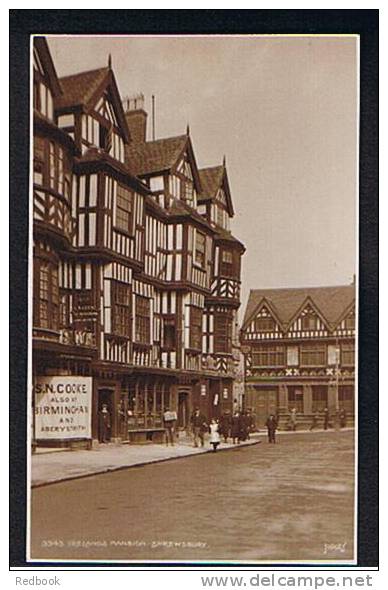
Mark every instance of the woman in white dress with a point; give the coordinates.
(214, 434)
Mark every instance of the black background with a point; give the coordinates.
(23, 23)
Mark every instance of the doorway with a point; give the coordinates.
(183, 409)
(105, 396)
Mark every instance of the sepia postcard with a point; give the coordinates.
(193, 299)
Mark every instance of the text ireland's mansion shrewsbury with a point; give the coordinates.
(136, 273)
(299, 352)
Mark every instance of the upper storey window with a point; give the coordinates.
(101, 134)
(142, 320)
(229, 263)
(309, 322)
(200, 249)
(219, 216)
(264, 324)
(124, 205)
(43, 100)
(56, 172)
(350, 323)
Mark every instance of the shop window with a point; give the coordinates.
(268, 356)
(347, 354)
(313, 355)
(264, 324)
(124, 209)
(200, 248)
(222, 333)
(319, 398)
(121, 309)
(196, 328)
(142, 322)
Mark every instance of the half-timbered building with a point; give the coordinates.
(136, 273)
(299, 350)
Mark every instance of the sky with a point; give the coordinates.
(283, 110)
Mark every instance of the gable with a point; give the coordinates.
(264, 324)
(347, 324)
(308, 322)
(105, 108)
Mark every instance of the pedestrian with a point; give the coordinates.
(104, 424)
(271, 425)
(244, 426)
(225, 425)
(199, 427)
(326, 418)
(342, 418)
(293, 419)
(169, 421)
(214, 434)
(314, 423)
(235, 428)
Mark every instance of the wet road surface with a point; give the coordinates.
(289, 501)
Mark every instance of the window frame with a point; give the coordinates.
(196, 315)
(223, 333)
(124, 195)
(142, 320)
(263, 319)
(273, 356)
(121, 309)
(309, 350)
(201, 260)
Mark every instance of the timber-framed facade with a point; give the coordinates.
(299, 352)
(136, 272)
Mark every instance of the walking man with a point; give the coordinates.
(169, 420)
(199, 426)
(271, 425)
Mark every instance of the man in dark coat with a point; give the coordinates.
(225, 425)
(244, 426)
(236, 428)
(104, 424)
(199, 427)
(271, 425)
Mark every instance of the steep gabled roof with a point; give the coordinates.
(78, 89)
(84, 90)
(155, 156)
(331, 301)
(41, 46)
(213, 179)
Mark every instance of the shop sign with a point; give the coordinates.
(63, 407)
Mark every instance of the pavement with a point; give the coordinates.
(50, 466)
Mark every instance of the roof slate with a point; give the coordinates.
(79, 88)
(330, 301)
(154, 156)
(211, 180)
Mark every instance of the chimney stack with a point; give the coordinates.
(136, 117)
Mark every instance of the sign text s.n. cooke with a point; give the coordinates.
(63, 407)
